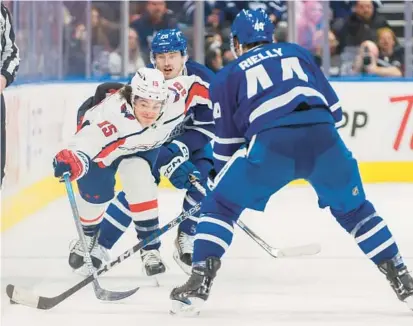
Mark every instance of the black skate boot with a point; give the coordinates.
(98, 254)
(77, 254)
(152, 262)
(400, 280)
(189, 298)
(184, 247)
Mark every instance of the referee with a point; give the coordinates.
(9, 63)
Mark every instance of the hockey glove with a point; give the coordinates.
(180, 177)
(178, 168)
(76, 163)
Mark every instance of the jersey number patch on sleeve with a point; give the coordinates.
(180, 88)
(107, 128)
(258, 75)
(216, 113)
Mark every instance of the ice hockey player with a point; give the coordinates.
(187, 151)
(121, 134)
(169, 54)
(276, 98)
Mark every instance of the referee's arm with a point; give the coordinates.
(10, 59)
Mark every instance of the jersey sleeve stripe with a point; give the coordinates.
(197, 90)
(335, 106)
(235, 140)
(202, 123)
(221, 157)
(109, 149)
(284, 99)
(202, 130)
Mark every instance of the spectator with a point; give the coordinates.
(188, 10)
(341, 10)
(227, 10)
(384, 61)
(213, 40)
(361, 25)
(227, 55)
(213, 59)
(155, 17)
(335, 61)
(135, 58)
(309, 22)
(391, 55)
(368, 53)
(281, 32)
(100, 31)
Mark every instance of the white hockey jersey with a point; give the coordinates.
(110, 129)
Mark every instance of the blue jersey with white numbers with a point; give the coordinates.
(276, 84)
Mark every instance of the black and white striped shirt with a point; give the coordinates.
(9, 52)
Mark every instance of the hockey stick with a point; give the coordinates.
(304, 250)
(27, 298)
(100, 292)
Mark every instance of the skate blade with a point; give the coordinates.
(153, 279)
(409, 302)
(186, 269)
(190, 309)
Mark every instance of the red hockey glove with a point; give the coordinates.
(76, 163)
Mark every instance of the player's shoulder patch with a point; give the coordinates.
(126, 112)
(179, 87)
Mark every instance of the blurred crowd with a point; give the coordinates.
(360, 39)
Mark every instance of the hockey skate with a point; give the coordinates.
(98, 254)
(152, 262)
(184, 247)
(190, 297)
(400, 280)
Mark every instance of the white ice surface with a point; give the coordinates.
(337, 287)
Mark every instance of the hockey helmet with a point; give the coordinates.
(251, 26)
(150, 84)
(168, 40)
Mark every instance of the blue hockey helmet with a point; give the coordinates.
(251, 26)
(168, 40)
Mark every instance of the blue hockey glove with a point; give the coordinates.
(178, 168)
(180, 178)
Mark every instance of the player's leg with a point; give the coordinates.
(96, 189)
(249, 177)
(141, 194)
(118, 215)
(337, 182)
(184, 242)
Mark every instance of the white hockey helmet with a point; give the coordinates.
(149, 83)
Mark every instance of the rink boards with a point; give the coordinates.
(377, 127)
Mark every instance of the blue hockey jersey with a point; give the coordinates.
(198, 127)
(276, 84)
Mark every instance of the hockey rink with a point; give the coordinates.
(336, 287)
